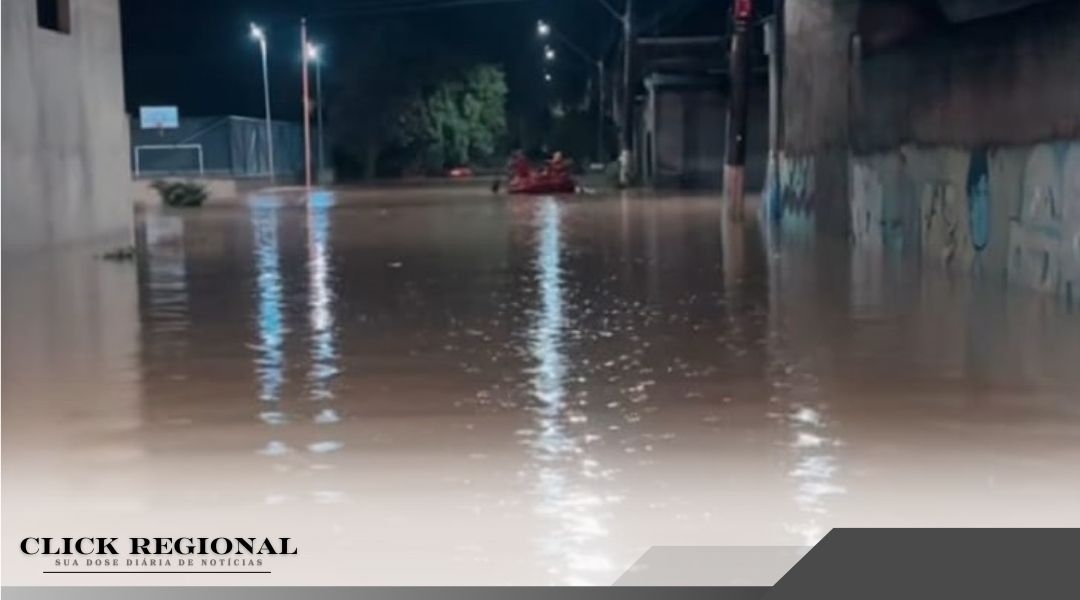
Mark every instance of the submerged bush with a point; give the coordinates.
(123, 253)
(181, 194)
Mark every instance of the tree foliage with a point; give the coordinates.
(399, 109)
(378, 80)
(460, 120)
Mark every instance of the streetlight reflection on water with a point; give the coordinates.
(558, 452)
(324, 353)
(270, 364)
(272, 330)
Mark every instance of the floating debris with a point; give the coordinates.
(121, 254)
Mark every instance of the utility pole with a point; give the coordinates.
(307, 104)
(544, 30)
(738, 104)
(318, 93)
(627, 95)
(600, 111)
(624, 114)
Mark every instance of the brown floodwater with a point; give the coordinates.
(442, 386)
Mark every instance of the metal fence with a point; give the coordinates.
(227, 146)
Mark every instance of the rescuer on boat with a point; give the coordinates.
(519, 165)
(554, 178)
(558, 166)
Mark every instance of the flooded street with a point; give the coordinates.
(442, 386)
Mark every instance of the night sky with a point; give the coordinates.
(197, 53)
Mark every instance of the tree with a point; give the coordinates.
(381, 77)
(460, 120)
(403, 106)
(484, 106)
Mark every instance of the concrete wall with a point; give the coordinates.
(959, 145)
(65, 139)
(1009, 214)
(1006, 80)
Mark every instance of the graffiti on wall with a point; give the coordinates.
(946, 233)
(879, 204)
(941, 198)
(796, 182)
(1008, 213)
(1044, 232)
(1070, 267)
(978, 195)
(867, 205)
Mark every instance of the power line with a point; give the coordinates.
(387, 8)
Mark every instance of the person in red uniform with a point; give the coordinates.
(519, 165)
(558, 166)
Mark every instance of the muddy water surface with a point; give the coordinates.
(442, 386)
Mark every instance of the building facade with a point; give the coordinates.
(684, 112)
(66, 177)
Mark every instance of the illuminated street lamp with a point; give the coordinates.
(313, 53)
(626, 22)
(544, 30)
(259, 36)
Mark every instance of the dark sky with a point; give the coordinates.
(197, 54)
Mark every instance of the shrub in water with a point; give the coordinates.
(181, 194)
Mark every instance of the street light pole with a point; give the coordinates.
(319, 100)
(626, 19)
(260, 36)
(315, 55)
(600, 111)
(544, 29)
(306, 103)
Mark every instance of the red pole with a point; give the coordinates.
(307, 104)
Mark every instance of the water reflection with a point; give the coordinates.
(324, 354)
(796, 402)
(815, 471)
(889, 392)
(572, 507)
(270, 317)
(273, 224)
(166, 277)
